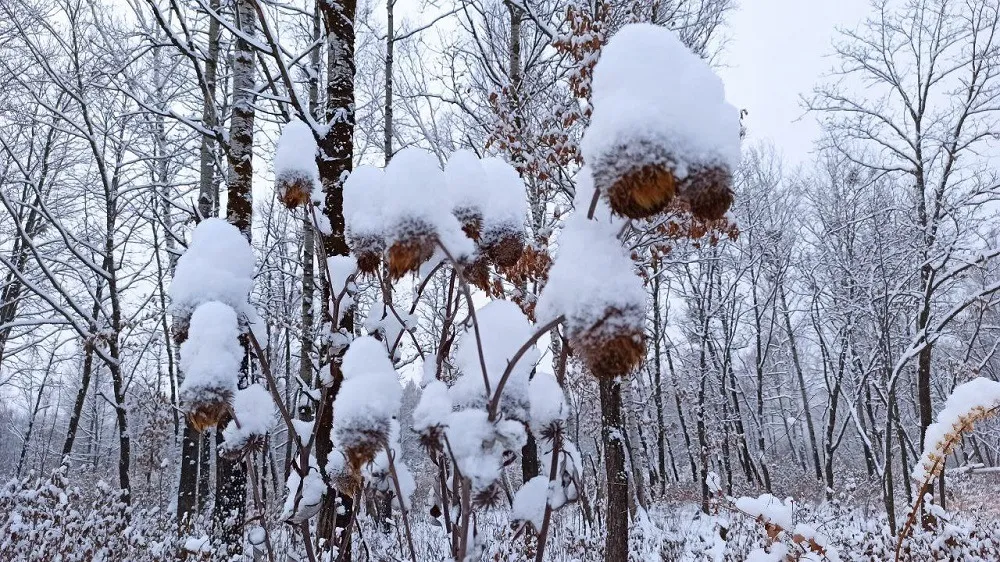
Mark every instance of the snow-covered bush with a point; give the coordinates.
(49, 519)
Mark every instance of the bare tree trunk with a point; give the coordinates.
(334, 162)
(661, 430)
(680, 417)
(34, 416)
(390, 45)
(613, 430)
(208, 195)
(187, 488)
(81, 395)
(806, 410)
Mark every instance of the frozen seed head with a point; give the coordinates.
(368, 251)
(638, 180)
(504, 244)
(293, 190)
(296, 175)
(477, 271)
(471, 219)
(204, 414)
(612, 347)
(707, 192)
(646, 135)
(413, 245)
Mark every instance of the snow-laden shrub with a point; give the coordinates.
(50, 519)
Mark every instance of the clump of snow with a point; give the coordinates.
(257, 535)
(478, 445)
(211, 356)
(503, 328)
(566, 488)
(198, 545)
(547, 403)
(713, 482)
(434, 407)
(256, 413)
(504, 210)
(416, 199)
(303, 430)
(217, 266)
(591, 274)
(530, 500)
(369, 397)
(776, 552)
(341, 269)
(295, 155)
(364, 193)
(767, 508)
(466, 182)
(382, 320)
(640, 115)
(967, 404)
(805, 533)
(305, 495)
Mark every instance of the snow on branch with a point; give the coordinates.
(503, 328)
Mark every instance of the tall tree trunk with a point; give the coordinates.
(231, 477)
(681, 419)
(336, 149)
(661, 430)
(187, 489)
(229, 512)
(31, 420)
(208, 195)
(390, 46)
(239, 205)
(613, 430)
(88, 369)
(796, 362)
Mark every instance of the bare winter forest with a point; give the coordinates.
(426, 280)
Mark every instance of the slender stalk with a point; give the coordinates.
(553, 475)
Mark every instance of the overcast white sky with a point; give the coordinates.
(778, 50)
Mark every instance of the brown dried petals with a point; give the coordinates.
(707, 192)
(293, 190)
(612, 347)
